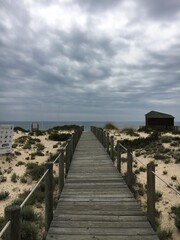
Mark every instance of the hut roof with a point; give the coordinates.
(154, 114)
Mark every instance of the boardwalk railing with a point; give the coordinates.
(108, 143)
(11, 230)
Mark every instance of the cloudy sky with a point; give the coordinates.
(89, 59)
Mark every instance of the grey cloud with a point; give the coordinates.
(166, 10)
(98, 6)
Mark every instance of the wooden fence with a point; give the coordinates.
(108, 143)
(11, 230)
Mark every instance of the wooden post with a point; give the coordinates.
(48, 195)
(104, 139)
(151, 194)
(112, 148)
(96, 131)
(119, 152)
(74, 141)
(68, 156)
(61, 172)
(129, 178)
(107, 143)
(12, 213)
(101, 136)
(71, 147)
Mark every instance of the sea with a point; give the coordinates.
(44, 125)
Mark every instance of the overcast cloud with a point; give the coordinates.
(89, 60)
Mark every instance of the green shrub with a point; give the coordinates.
(4, 195)
(178, 187)
(21, 139)
(17, 153)
(34, 170)
(110, 126)
(174, 178)
(14, 178)
(37, 133)
(29, 231)
(16, 129)
(158, 196)
(59, 137)
(64, 128)
(23, 179)
(28, 214)
(3, 178)
(37, 196)
(55, 146)
(130, 131)
(27, 146)
(177, 157)
(37, 153)
(164, 234)
(137, 171)
(158, 156)
(142, 169)
(19, 163)
(14, 145)
(52, 156)
(40, 147)
(176, 211)
(166, 139)
(2, 222)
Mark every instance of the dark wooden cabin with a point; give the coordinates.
(158, 120)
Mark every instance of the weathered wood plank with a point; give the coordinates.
(99, 224)
(100, 231)
(102, 237)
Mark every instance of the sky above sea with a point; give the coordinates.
(76, 60)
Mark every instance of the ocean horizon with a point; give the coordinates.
(44, 125)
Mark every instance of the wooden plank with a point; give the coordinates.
(102, 218)
(99, 224)
(100, 231)
(102, 237)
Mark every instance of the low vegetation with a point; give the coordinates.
(176, 211)
(110, 126)
(34, 170)
(130, 131)
(4, 195)
(164, 234)
(59, 137)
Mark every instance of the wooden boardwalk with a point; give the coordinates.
(96, 204)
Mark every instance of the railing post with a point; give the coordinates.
(119, 152)
(71, 147)
(151, 194)
(48, 195)
(12, 213)
(61, 172)
(107, 143)
(104, 139)
(101, 136)
(129, 178)
(68, 155)
(112, 148)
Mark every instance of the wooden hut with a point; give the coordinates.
(158, 120)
